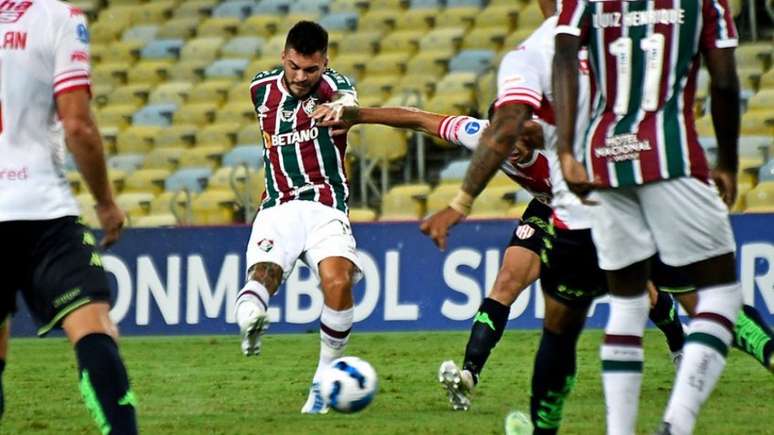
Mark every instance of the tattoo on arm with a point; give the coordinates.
(268, 274)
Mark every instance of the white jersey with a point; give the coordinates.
(44, 52)
(524, 77)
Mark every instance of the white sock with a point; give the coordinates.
(622, 358)
(335, 327)
(256, 295)
(704, 354)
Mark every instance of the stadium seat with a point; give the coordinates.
(163, 158)
(117, 116)
(204, 48)
(218, 26)
(767, 80)
(136, 139)
(379, 20)
(308, 6)
(75, 180)
(378, 142)
(348, 6)
(190, 70)
(763, 100)
(171, 93)
(475, 61)
(506, 17)
(86, 204)
(214, 208)
(122, 52)
(143, 33)
(174, 203)
(530, 17)
(150, 72)
(193, 180)
(163, 49)
(465, 3)
(108, 30)
(351, 65)
(159, 115)
(433, 64)
(96, 51)
(758, 123)
(129, 94)
(401, 41)
(760, 199)
(343, 21)
(375, 5)
(766, 172)
(100, 93)
(249, 155)
(442, 40)
(272, 7)
(264, 63)
(361, 215)
(457, 84)
(457, 17)
(420, 20)
(181, 27)
(154, 221)
(146, 180)
(135, 204)
(116, 177)
(155, 12)
(457, 103)
(241, 111)
(249, 133)
(515, 39)
(259, 25)
(290, 20)
(486, 38)
(412, 90)
(388, 64)
(274, 47)
(757, 55)
(195, 113)
(210, 91)
(114, 74)
(239, 91)
(208, 156)
(125, 162)
(493, 202)
(363, 43)
(223, 134)
(239, 9)
(177, 136)
(405, 202)
(440, 197)
(246, 185)
(195, 8)
(454, 172)
(226, 68)
(242, 47)
(376, 85)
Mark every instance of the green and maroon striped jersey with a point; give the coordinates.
(302, 160)
(645, 56)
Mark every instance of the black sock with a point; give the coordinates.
(553, 378)
(664, 316)
(105, 385)
(753, 336)
(487, 329)
(2, 395)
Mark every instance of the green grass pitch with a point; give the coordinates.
(203, 385)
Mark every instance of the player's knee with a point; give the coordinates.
(336, 284)
(92, 318)
(507, 287)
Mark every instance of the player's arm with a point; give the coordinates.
(84, 142)
(398, 117)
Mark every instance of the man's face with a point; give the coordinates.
(302, 72)
(531, 139)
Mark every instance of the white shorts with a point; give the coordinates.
(683, 219)
(303, 230)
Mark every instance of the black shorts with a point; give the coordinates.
(532, 227)
(55, 264)
(670, 279)
(569, 271)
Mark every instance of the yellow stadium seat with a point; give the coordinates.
(86, 204)
(195, 8)
(146, 180)
(129, 94)
(501, 16)
(274, 47)
(75, 180)
(402, 41)
(246, 185)
(378, 142)
(380, 20)
(224, 133)
(153, 12)
(112, 3)
(485, 38)
(517, 211)
(213, 208)
(213, 91)
(182, 27)
(420, 20)
(163, 158)
(767, 80)
(499, 179)
(110, 73)
(100, 93)
(177, 136)
(351, 65)
(363, 43)
(757, 55)
(135, 204)
(404, 202)
(105, 31)
(264, 63)
(249, 133)
(259, 25)
(242, 112)
(136, 139)
(761, 198)
(424, 84)
(290, 20)
(97, 52)
(202, 156)
(118, 116)
(443, 40)
(388, 64)
(758, 123)
(431, 63)
(169, 203)
(457, 18)
(150, 72)
(205, 48)
(530, 17)
(190, 70)
(457, 85)
(361, 215)
(154, 220)
(748, 77)
(195, 113)
(494, 202)
(171, 93)
(516, 38)
(121, 52)
(218, 27)
(742, 187)
(440, 197)
(239, 91)
(450, 104)
(376, 5)
(348, 6)
(704, 127)
(763, 100)
(376, 85)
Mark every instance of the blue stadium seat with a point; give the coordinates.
(766, 172)
(420, 4)
(143, 34)
(242, 47)
(475, 61)
(226, 68)
(464, 3)
(235, 8)
(310, 6)
(277, 7)
(154, 114)
(126, 162)
(69, 162)
(248, 153)
(162, 49)
(754, 146)
(455, 170)
(339, 21)
(192, 179)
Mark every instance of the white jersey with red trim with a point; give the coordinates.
(533, 175)
(44, 52)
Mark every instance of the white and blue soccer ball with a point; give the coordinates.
(349, 384)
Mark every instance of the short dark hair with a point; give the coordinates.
(307, 38)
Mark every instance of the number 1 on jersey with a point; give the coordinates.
(621, 48)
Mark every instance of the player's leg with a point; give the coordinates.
(252, 304)
(663, 313)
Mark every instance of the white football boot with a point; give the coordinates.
(315, 404)
(253, 321)
(458, 383)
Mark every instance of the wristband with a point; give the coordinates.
(462, 203)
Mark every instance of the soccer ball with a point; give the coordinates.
(349, 384)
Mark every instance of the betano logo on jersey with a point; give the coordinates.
(622, 147)
(291, 138)
(12, 11)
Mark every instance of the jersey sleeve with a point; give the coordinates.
(338, 83)
(519, 79)
(462, 130)
(718, 30)
(71, 53)
(573, 18)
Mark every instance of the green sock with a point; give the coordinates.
(753, 336)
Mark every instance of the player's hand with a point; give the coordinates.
(437, 226)
(337, 127)
(111, 219)
(726, 182)
(327, 113)
(576, 178)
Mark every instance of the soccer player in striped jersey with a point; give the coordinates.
(654, 189)
(303, 212)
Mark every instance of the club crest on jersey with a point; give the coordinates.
(524, 232)
(309, 105)
(11, 11)
(266, 245)
(82, 32)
